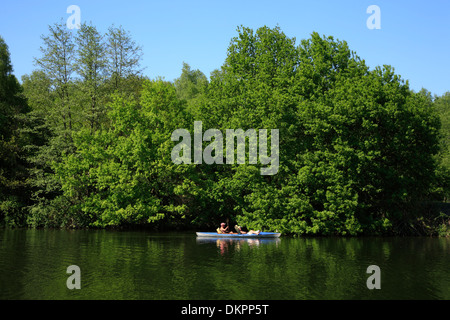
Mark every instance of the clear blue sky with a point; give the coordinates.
(414, 37)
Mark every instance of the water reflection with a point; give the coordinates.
(226, 245)
(140, 265)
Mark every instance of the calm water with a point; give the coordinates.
(142, 265)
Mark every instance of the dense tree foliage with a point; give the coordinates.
(358, 150)
(442, 106)
(14, 191)
(356, 145)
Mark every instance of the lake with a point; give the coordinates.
(135, 265)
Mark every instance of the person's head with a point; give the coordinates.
(223, 224)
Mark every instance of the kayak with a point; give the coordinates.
(229, 235)
(229, 240)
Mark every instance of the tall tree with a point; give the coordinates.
(91, 66)
(13, 166)
(442, 107)
(47, 140)
(191, 83)
(54, 117)
(57, 62)
(124, 57)
(191, 86)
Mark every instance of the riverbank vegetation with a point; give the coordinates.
(86, 139)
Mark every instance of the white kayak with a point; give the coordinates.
(235, 235)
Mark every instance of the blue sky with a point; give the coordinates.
(414, 37)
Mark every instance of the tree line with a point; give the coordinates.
(86, 139)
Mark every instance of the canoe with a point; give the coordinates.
(230, 240)
(228, 235)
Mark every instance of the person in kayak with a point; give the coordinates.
(224, 229)
(239, 230)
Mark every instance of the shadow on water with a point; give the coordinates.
(142, 265)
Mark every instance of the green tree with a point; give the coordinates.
(57, 63)
(123, 174)
(53, 118)
(191, 85)
(356, 146)
(91, 64)
(70, 92)
(124, 57)
(442, 107)
(358, 150)
(14, 191)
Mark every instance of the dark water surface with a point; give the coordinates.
(141, 265)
